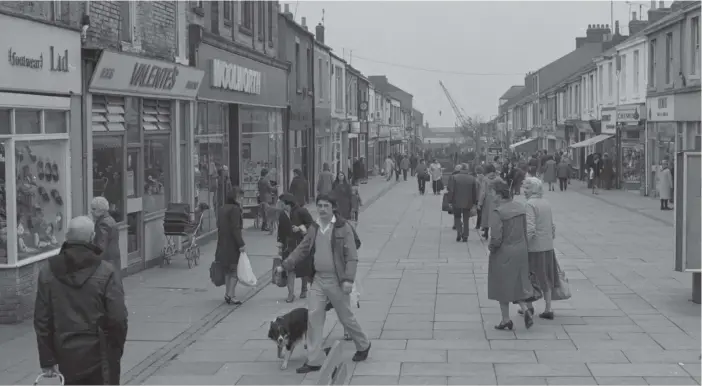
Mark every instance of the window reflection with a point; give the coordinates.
(27, 121)
(156, 172)
(55, 122)
(108, 180)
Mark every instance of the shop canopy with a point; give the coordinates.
(591, 141)
(526, 145)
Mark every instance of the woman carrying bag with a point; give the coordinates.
(230, 243)
(292, 227)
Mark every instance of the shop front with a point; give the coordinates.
(241, 110)
(40, 128)
(299, 130)
(372, 158)
(673, 125)
(396, 138)
(382, 146)
(631, 145)
(140, 113)
(339, 137)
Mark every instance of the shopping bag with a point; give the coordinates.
(217, 274)
(58, 378)
(561, 290)
(279, 278)
(445, 204)
(244, 271)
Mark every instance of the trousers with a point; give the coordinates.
(326, 286)
(461, 216)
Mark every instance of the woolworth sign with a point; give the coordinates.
(232, 77)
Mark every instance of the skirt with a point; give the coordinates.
(543, 265)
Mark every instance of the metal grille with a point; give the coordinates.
(108, 113)
(156, 115)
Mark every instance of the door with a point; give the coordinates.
(135, 215)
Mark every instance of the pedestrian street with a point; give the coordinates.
(425, 307)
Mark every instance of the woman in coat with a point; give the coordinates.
(292, 227)
(325, 181)
(436, 173)
(508, 265)
(230, 243)
(550, 173)
(342, 192)
(664, 185)
(487, 198)
(563, 173)
(607, 172)
(299, 188)
(479, 177)
(540, 234)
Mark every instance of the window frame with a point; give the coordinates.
(298, 66)
(636, 62)
(55, 11)
(623, 78)
(652, 64)
(310, 70)
(261, 19)
(131, 11)
(246, 17)
(669, 41)
(167, 138)
(271, 13)
(610, 80)
(694, 45)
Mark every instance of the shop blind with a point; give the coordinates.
(108, 113)
(156, 115)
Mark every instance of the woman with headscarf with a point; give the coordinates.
(292, 226)
(487, 199)
(550, 173)
(230, 243)
(342, 192)
(299, 188)
(508, 265)
(540, 234)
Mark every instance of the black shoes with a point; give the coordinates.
(307, 369)
(505, 326)
(361, 356)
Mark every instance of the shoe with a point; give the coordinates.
(361, 356)
(227, 299)
(307, 369)
(303, 294)
(458, 238)
(520, 312)
(505, 326)
(290, 299)
(548, 315)
(465, 240)
(231, 300)
(528, 319)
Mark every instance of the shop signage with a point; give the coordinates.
(661, 108)
(629, 114)
(609, 121)
(237, 79)
(40, 57)
(118, 73)
(355, 127)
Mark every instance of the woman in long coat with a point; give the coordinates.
(230, 243)
(508, 265)
(607, 172)
(342, 192)
(664, 185)
(487, 198)
(299, 188)
(292, 226)
(550, 173)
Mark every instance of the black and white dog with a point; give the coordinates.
(287, 331)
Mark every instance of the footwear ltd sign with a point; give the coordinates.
(40, 57)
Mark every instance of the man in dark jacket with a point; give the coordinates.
(463, 195)
(106, 233)
(299, 188)
(80, 317)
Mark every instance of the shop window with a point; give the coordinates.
(132, 181)
(156, 173)
(215, 119)
(262, 147)
(107, 114)
(41, 196)
(55, 122)
(5, 121)
(3, 205)
(27, 121)
(133, 241)
(108, 177)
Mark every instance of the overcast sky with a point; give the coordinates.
(506, 38)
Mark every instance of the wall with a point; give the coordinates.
(590, 107)
(300, 82)
(351, 91)
(634, 92)
(322, 76)
(338, 67)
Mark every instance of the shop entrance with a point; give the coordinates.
(135, 218)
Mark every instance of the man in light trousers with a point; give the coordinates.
(333, 270)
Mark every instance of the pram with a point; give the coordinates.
(177, 222)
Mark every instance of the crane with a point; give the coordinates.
(464, 123)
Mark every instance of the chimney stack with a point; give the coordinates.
(304, 23)
(633, 16)
(616, 27)
(319, 33)
(661, 4)
(653, 5)
(287, 14)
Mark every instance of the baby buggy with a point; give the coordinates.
(177, 222)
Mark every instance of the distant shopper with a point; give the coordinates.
(299, 188)
(80, 316)
(404, 165)
(607, 172)
(563, 173)
(230, 242)
(422, 176)
(463, 192)
(356, 203)
(413, 164)
(293, 224)
(106, 234)
(664, 185)
(265, 196)
(550, 173)
(342, 193)
(325, 180)
(436, 173)
(389, 167)
(488, 198)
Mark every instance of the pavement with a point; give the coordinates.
(424, 305)
(168, 307)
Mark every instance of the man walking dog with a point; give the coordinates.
(330, 245)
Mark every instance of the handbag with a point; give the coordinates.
(561, 290)
(217, 274)
(445, 205)
(279, 278)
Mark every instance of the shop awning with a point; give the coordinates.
(524, 145)
(591, 141)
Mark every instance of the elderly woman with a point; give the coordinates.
(508, 266)
(106, 232)
(540, 234)
(479, 176)
(230, 243)
(292, 226)
(436, 173)
(487, 198)
(550, 173)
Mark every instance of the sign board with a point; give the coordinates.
(661, 108)
(39, 57)
(118, 73)
(687, 212)
(630, 114)
(609, 121)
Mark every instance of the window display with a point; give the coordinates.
(156, 173)
(41, 190)
(108, 178)
(261, 147)
(27, 121)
